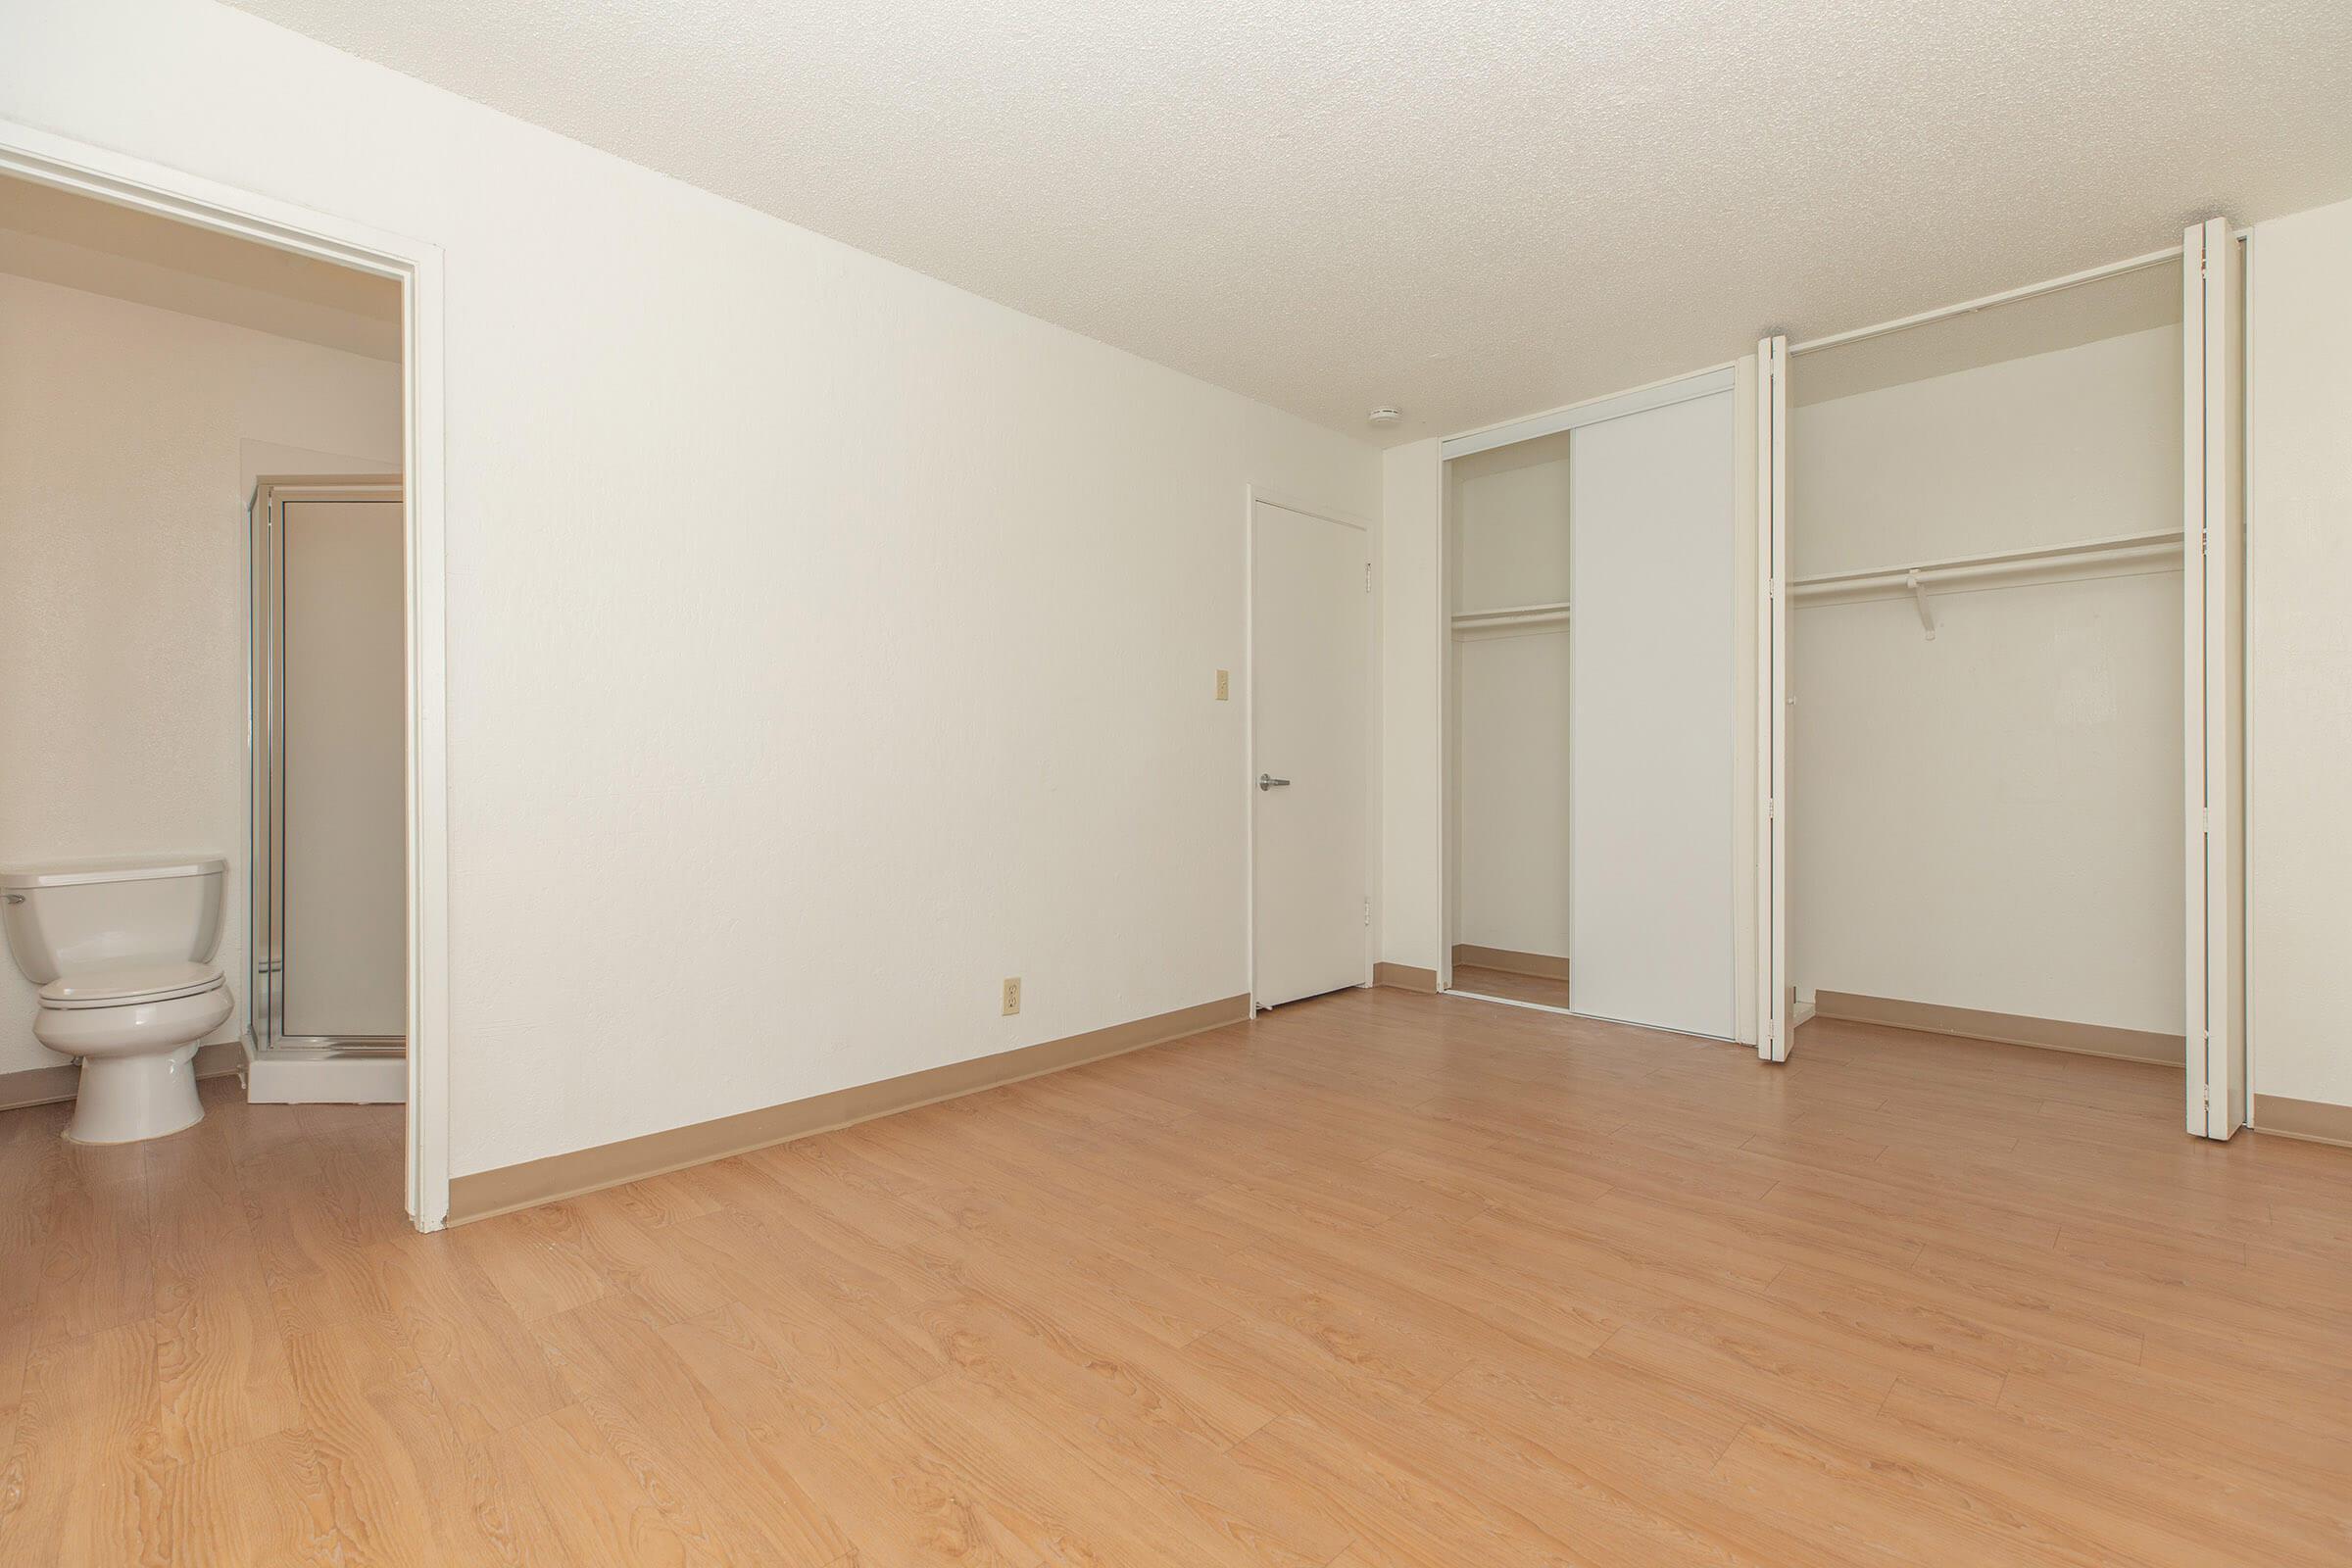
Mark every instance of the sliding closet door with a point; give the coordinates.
(1651, 518)
(2212, 494)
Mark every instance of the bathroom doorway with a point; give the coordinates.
(260, 389)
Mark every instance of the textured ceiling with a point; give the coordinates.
(1473, 210)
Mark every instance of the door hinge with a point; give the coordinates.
(1367, 912)
(1771, 811)
(1367, 576)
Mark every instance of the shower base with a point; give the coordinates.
(338, 1072)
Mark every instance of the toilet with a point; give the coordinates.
(122, 949)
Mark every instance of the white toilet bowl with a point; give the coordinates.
(135, 1028)
(121, 950)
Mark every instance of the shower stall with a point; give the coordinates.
(327, 844)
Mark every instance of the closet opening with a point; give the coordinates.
(2007, 640)
(1509, 824)
(1596, 803)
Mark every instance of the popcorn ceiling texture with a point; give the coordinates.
(1472, 210)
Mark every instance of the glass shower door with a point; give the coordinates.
(328, 843)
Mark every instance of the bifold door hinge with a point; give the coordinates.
(1367, 912)
(1367, 576)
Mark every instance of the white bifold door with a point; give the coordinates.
(2213, 560)
(1310, 713)
(1775, 1000)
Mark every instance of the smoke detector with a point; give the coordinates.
(1383, 416)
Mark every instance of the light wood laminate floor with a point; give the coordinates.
(1377, 1280)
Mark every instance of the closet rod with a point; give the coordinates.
(2091, 274)
(1513, 616)
(2123, 555)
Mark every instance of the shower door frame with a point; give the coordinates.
(62, 162)
(266, 755)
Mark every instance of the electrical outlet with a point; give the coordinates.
(1224, 685)
(1012, 996)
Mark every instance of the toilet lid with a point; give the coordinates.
(116, 985)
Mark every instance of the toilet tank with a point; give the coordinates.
(74, 914)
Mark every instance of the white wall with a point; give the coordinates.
(2076, 444)
(122, 432)
(1991, 819)
(1511, 737)
(1508, 546)
(825, 644)
(2300, 659)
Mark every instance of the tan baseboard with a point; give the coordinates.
(2314, 1120)
(2005, 1028)
(54, 1086)
(1405, 977)
(585, 1170)
(1535, 965)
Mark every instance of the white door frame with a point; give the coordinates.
(1252, 495)
(416, 266)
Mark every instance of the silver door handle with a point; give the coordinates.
(1267, 781)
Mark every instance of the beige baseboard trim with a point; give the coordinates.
(54, 1086)
(1535, 965)
(1405, 977)
(2005, 1028)
(2315, 1122)
(586, 1171)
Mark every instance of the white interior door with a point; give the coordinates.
(2212, 556)
(1310, 630)
(1650, 688)
(1774, 1005)
(344, 711)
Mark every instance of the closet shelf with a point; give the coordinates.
(1514, 615)
(2123, 556)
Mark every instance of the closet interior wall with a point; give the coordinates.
(1986, 762)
